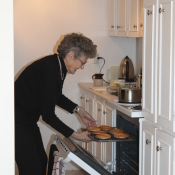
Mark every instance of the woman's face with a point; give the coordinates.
(73, 64)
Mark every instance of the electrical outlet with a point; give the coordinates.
(95, 60)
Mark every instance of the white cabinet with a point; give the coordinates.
(89, 108)
(165, 153)
(149, 63)
(125, 18)
(112, 17)
(87, 102)
(109, 147)
(105, 115)
(158, 87)
(158, 157)
(166, 61)
(158, 62)
(148, 149)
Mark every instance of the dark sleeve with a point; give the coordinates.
(48, 93)
(66, 104)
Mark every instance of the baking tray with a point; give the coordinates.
(112, 139)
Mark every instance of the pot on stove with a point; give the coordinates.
(129, 94)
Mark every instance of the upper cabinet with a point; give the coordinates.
(158, 90)
(112, 18)
(125, 18)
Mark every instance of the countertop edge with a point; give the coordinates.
(126, 110)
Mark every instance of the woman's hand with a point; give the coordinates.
(83, 136)
(86, 118)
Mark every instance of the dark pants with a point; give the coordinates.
(29, 150)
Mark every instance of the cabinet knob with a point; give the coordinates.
(87, 101)
(104, 112)
(81, 97)
(99, 109)
(118, 27)
(112, 26)
(161, 10)
(135, 26)
(149, 12)
(158, 148)
(141, 25)
(148, 141)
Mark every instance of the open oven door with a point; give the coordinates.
(80, 156)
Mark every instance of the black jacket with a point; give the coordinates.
(38, 89)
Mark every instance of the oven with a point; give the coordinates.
(127, 153)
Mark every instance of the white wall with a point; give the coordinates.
(7, 88)
(38, 26)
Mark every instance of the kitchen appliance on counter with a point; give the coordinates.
(126, 70)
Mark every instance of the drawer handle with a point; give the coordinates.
(158, 148)
(161, 10)
(148, 141)
(149, 12)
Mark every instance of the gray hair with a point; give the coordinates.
(79, 44)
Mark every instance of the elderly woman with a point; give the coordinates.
(37, 90)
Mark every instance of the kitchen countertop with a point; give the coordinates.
(111, 100)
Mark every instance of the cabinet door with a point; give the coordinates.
(112, 17)
(166, 18)
(122, 17)
(82, 100)
(109, 147)
(89, 109)
(141, 18)
(149, 67)
(99, 118)
(133, 18)
(165, 153)
(148, 151)
(83, 105)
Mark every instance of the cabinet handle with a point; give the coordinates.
(158, 148)
(135, 26)
(149, 12)
(81, 97)
(148, 141)
(161, 10)
(87, 101)
(99, 109)
(141, 25)
(118, 27)
(104, 112)
(112, 26)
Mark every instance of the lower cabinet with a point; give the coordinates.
(104, 115)
(158, 151)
